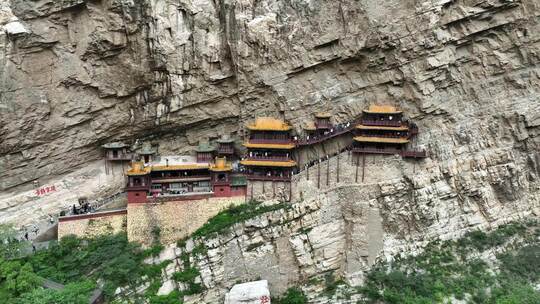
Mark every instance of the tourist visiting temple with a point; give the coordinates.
(382, 130)
(269, 150)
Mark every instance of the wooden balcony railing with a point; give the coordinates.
(336, 131)
(414, 154)
(323, 125)
(270, 141)
(367, 134)
(121, 156)
(384, 123)
(269, 158)
(402, 153)
(376, 151)
(257, 177)
(225, 150)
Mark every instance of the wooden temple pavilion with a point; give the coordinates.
(382, 130)
(138, 185)
(225, 147)
(321, 125)
(147, 153)
(224, 182)
(117, 151)
(269, 150)
(205, 152)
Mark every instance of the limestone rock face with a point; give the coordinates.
(249, 293)
(75, 74)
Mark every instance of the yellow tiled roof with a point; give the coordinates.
(265, 163)
(137, 169)
(382, 110)
(364, 127)
(310, 126)
(381, 139)
(180, 167)
(270, 146)
(323, 115)
(269, 124)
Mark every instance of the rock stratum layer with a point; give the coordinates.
(75, 74)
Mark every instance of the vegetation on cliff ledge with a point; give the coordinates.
(498, 267)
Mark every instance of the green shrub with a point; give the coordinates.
(232, 215)
(441, 271)
(73, 293)
(175, 297)
(292, 296)
(187, 275)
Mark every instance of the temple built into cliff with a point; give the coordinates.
(269, 150)
(179, 193)
(382, 130)
(217, 171)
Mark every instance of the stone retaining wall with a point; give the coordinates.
(92, 225)
(176, 220)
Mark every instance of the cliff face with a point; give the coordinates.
(78, 73)
(75, 74)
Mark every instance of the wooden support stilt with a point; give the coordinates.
(356, 173)
(264, 190)
(251, 190)
(363, 166)
(337, 169)
(327, 171)
(319, 174)
(307, 171)
(290, 191)
(273, 189)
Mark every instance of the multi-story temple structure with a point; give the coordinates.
(269, 157)
(270, 147)
(147, 153)
(225, 147)
(321, 125)
(382, 130)
(205, 152)
(117, 151)
(181, 177)
(225, 182)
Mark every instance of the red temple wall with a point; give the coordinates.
(134, 197)
(222, 191)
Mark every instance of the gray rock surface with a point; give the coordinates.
(75, 74)
(255, 292)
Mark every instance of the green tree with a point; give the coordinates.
(73, 293)
(10, 247)
(18, 278)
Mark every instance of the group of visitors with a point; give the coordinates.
(336, 129)
(83, 208)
